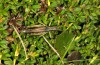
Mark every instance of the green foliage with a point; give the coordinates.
(81, 17)
(64, 43)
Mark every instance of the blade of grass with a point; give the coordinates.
(16, 54)
(21, 41)
(70, 44)
(53, 48)
(93, 59)
(48, 3)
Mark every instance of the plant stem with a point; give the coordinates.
(21, 41)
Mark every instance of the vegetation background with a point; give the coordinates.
(81, 17)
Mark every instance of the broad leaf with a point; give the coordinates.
(63, 43)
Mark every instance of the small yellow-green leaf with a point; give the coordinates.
(36, 6)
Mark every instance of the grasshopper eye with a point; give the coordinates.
(24, 31)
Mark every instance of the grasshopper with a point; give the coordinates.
(38, 30)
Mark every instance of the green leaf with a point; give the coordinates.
(62, 12)
(54, 4)
(77, 9)
(27, 10)
(2, 42)
(63, 41)
(93, 14)
(36, 6)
